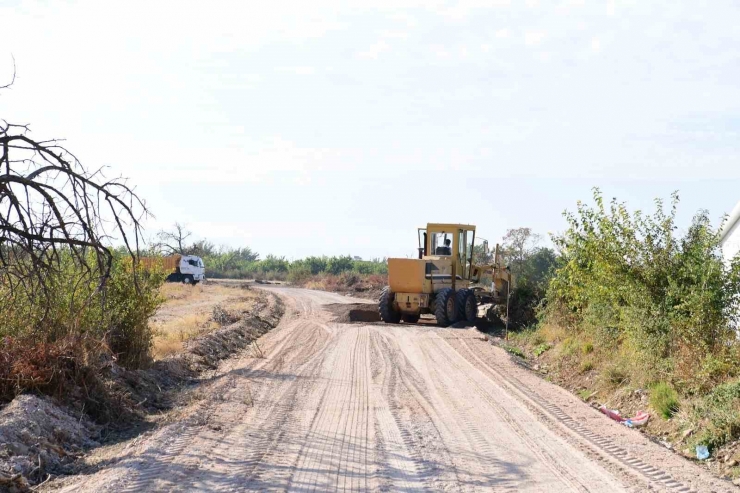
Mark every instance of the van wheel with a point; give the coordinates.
(188, 280)
(444, 310)
(385, 306)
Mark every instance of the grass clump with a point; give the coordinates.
(515, 351)
(664, 399)
(540, 349)
(615, 376)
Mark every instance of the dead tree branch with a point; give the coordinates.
(52, 207)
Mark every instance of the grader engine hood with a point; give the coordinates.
(406, 275)
(419, 276)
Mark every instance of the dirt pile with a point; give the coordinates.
(38, 438)
(204, 352)
(353, 312)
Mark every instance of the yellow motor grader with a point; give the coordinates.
(443, 281)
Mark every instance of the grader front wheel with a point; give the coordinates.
(388, 314)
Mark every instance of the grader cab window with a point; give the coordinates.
(442, 244)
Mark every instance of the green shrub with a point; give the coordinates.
(587, 365)
(55, 343)
(538, 350)
(664, 400)
(719, 411)
(298, 274)
(587, 348)
(515, 351)
(630, 279)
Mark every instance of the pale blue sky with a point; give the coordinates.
(335, 127)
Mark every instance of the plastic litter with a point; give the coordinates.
(702, 452)
(613, 414)
(639, 419)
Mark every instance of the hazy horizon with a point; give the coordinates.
(325, 129)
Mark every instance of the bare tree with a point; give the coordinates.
(174, 241)
(51, 207)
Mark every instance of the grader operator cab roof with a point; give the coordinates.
(443, 239)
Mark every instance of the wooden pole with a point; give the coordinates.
(508, 292)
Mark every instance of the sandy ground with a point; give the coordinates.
(188, 311)
(373, 407)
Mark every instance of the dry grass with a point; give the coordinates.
(169, 336)
(187, 313)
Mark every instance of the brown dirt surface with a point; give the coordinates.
(374, 407)
(353, 312)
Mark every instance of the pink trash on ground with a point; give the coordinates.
(612, 414)
(640, 419)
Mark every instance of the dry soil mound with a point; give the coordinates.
(354, 312)
(38, 438)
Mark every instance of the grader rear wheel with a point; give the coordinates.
(445, 307)
(467, 305)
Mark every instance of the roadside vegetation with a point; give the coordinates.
(637, 313)
(70, 304)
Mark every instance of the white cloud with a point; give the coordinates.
(595, 45)
(533, 38)
(298, 70)
(502, 33)
(394, 34)
(375, 50)
(611, 7)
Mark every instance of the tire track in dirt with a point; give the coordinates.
(416, 421)
(175, 469)
(554, 415)
(481, 435)
(398, 469)
(363, 407)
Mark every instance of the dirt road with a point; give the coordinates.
(373, 407)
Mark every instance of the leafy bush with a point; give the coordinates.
(298, 274)
(664, 400)
(629, 278)
(719, 411)
(54, 344)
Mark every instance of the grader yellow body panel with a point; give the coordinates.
(406, 275)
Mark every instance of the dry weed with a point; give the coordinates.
(257, 350)
(170, 335)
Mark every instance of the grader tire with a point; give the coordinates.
(410, 319)
(385, 307)
(467, 305)
(445, 310)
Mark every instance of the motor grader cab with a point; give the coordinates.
(443, 280)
